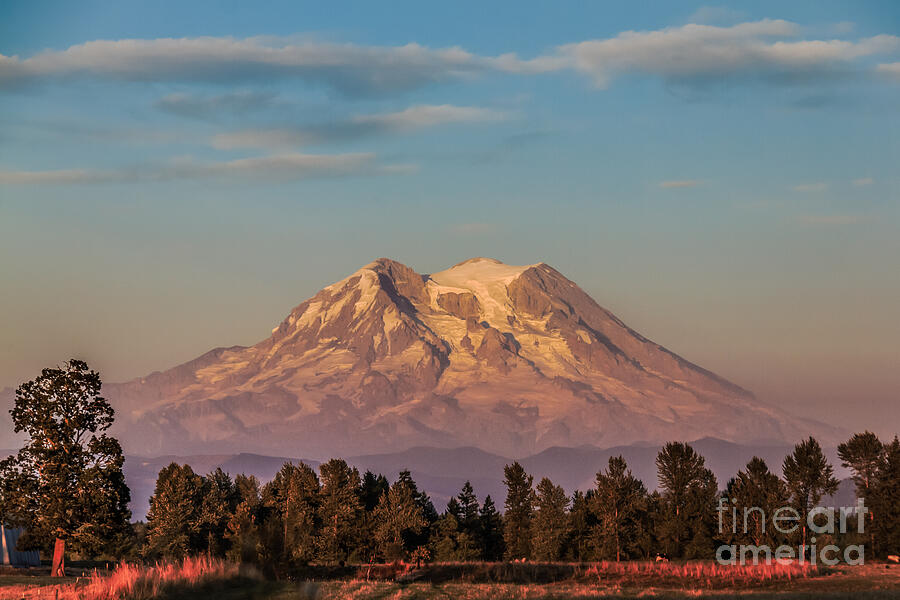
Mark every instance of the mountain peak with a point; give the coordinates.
(511, 359)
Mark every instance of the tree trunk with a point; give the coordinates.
(58, 569)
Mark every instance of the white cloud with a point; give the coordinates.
(350, 68)
(819, 186)
(280, 167)
(410, 119)
(766, 49)
(863, 181)
(694, 53)
(891, 70)
(680, 183)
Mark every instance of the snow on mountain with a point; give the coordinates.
(509, 359)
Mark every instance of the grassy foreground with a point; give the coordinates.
(210, 578)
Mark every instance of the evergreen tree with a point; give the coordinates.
(398, 518)
(580, 546)
(680, 470)
(243, 527)
(173, 522)
(884, 495)
(340, 509)
(216, 509)
(468, 509)
(619, 503)
(809, 476)
(519, 507)
(863, 454)
(754, 495)
(491, 531)
(293, 497)
(66, 484)
(550, 521)
(701, 516)
(373, 487)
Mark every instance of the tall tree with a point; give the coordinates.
(373, 487)
(173, 522)
(219, 502)
(884, 493)
(550, 523)
(468, 508)
(519, 507)
(491, 531)
(340, 509)
(580, 545)
(619, 503)
(809, 476)
(398, 517)
(754, 495)
(243, 526)
(293, 496)
(66, 484)
(680, 470)
(862, 454)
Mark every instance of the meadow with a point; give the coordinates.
(213, 578)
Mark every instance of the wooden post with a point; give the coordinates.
(58, 569)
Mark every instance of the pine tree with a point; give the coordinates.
(373, 487)
(293, 497)
(243, 527)
(468, 508)
(884, 495)
(340, 509)
(580, 545)
(550, 521)
(398, 517)
(809, 476)
(173, 522)
(863, 454)
(216, 509)
(680, 469)
(519, 507)
(491, 531)
(701, 516)
(755, 494)
(66, 484)
(619, 503)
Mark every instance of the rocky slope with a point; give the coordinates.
(509, 359)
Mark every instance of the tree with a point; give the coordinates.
(491, 531)
(680, 470)
(216, 508)
(468, 508)
(862, 454)
(885, 492)
(293, 497)
(243, 526)
(66, 484)
(550, 522)
(619, 503)
(373, 487)
(340, 509)
(173, 522)
(519, 507)
(755, 494)
(809, 476)
(580, 545)
(396, 517)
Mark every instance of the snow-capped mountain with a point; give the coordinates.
(509, 359)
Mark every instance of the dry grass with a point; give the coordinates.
(205, 578)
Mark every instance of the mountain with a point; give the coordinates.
(509, 359)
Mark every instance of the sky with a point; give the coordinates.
(177, 176)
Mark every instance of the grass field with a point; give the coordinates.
(203, 578)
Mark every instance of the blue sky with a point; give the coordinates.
(176, 176)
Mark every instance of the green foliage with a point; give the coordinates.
(490, 524)
(340, 511)
(550, 522)
(67, 481)
(519, 511)
(619, 504)
(398, 517)
(883, 501)
(688, 491)
(174, 527)
(808, 476)
(753, 496)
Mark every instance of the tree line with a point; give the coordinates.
(338, 515)
(66, 487)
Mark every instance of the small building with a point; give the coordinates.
(8, 553)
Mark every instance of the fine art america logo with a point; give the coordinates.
(787, 521)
